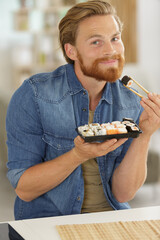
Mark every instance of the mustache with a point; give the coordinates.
(113, 57)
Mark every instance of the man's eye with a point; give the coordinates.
(115, 39)
(97, 42)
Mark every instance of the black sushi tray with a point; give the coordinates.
(101, 138)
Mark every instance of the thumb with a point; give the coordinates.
(78, 140)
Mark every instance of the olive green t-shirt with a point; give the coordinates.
(94, 198)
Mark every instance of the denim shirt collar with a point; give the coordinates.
(73, 82)
(75, 85)
(107, 93)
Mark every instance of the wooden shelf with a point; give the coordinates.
(44, 41)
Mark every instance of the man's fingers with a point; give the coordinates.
(95, 149)
(112, 144)
(107, 144)
(152, 104)
(119, 143)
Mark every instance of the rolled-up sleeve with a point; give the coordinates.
(24, 133)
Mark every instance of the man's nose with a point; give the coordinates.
(108, 49)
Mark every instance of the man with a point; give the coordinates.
(54, 172)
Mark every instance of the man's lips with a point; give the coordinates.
(109, 62)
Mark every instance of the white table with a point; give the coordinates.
(44, 228)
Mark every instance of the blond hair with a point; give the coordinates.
(68, 25)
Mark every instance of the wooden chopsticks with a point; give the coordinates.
(125, 84)
(138, 94)
(145, 90)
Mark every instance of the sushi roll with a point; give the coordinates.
(130, 124)
(100, 131)
(134, 129)
(129, 84)
(111, 130)
(126, 122)
(87, 133)
(122, 130)
(120, 125)
(94, 125)
(127, 81)
(81, 129)
(128, 119)
(104, 125)
(115, 123)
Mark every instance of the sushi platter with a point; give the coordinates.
(96, 132)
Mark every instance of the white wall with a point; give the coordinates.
(147, 70)
(5, 31)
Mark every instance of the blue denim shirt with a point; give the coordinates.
(41, 121)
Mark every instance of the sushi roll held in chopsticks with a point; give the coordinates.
(128, 81)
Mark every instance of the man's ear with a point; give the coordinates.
(70, 51)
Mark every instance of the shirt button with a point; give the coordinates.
(84, 109)
(84, 93)
(78, 198)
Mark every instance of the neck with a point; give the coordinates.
(94, 87)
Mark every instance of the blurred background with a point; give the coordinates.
(29, 44)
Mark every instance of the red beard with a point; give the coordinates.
(109, 74)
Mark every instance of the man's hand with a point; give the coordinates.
(85, 150)
(150, 117)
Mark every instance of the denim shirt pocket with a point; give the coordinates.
(57, 146)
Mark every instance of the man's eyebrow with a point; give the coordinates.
(94, 36)
(117, 33)
(101, 36)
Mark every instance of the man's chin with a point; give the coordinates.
(111, 75)
(110, 80)
(106, 66)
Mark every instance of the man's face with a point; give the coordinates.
(100, 51)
